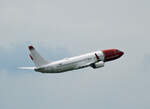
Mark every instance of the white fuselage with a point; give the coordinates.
(95, 60)
(72, 63)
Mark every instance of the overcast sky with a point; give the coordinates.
(65, 28)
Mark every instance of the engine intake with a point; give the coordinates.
(98, 65)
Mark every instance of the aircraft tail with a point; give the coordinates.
(36, 58)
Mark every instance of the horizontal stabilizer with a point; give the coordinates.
(27, 68)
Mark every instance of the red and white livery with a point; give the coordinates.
(94, 59)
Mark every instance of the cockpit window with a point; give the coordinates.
(116, 51)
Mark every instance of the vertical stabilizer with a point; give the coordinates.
(36, 58)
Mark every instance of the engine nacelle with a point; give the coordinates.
(98, 65)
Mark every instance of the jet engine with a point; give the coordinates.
(98, 65)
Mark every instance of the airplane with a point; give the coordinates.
(95, 60)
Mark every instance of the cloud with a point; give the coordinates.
(82, 88)
(85, 28)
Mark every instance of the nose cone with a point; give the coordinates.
(121, 53)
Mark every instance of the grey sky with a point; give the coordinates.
(60, 28)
